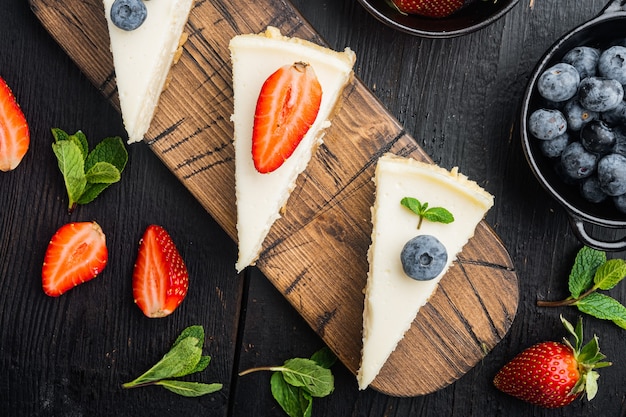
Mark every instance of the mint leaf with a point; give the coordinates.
(433, 214)
(585, 265)
(71, 164)
(293, 400)
(86, 174)
(603, 307)
(103, 173)
(189, 389)
(306, 373)
(109, 150)
(324, 357)
(439, 214)
(184, 358)
(609, 274)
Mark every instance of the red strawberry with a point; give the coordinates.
(160, 278)
(286, 108)
(14, 134)
(553, 374)
(431, 8)
(76, 253)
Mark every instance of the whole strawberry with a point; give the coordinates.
(431, 8)
(553, 374)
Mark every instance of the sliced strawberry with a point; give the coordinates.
(14, 133)
(286, 108)
(76, 253)
(431, 8)
(160, 278)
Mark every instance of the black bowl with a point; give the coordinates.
(601, 31)
(470, 19)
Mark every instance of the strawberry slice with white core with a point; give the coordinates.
(14, 133)
(160, 278)
(76, 253)
(287, 106)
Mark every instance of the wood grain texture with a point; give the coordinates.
(316, 254)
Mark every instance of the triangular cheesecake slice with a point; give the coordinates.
(262, 196)
(392, 297)
(142, 58)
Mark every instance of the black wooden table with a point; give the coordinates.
(458, 97)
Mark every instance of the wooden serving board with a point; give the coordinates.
(316, 254)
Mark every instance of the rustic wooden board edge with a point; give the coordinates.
(383, 133)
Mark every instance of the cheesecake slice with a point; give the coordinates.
(392, 297)
(262, 196)
(142, 58)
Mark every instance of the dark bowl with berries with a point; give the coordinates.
(438, 18)
(573, 124)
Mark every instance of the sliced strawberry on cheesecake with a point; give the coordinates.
(76, 253)
(160, 278)
(14, 133)
(286, 108)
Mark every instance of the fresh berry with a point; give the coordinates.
(546, 124)
(128, 14)
(612, 64)
(620, 203)
(559, 82)
(598, 137)
(584, 59)
(591, 190)
(576, 115)
(554, 148)
(600, 94)
(431, 8)
(160, 278)
(76, 253)
(577, 162)
(287, 106)
(617, 115)
(553, 374)
(14, 133)
(612, 174)
(423, 257)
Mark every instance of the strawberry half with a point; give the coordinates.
(76, 253)
(14, 133)
(430, 8)
(286, 108)
(553, 374)
(160, 278)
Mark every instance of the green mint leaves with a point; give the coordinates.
(87, 174)
(299, 380)
(184, 358)
(592, 272)
(433, 214)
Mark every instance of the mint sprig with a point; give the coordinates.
(86, 174)
(184, 358)
(592, 272)
(295, 383)
(433, 214)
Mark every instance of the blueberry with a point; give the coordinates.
(547, 124)
(591, 190)
(584, 59)
(554, 148)
(612, 174)
(598, 137)
(600, 94)
(620, 202)
(576, 162)
(559, 82)
(576, 115)
(423, 257)
(616, 116)
(128, 14)
(612, 64)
